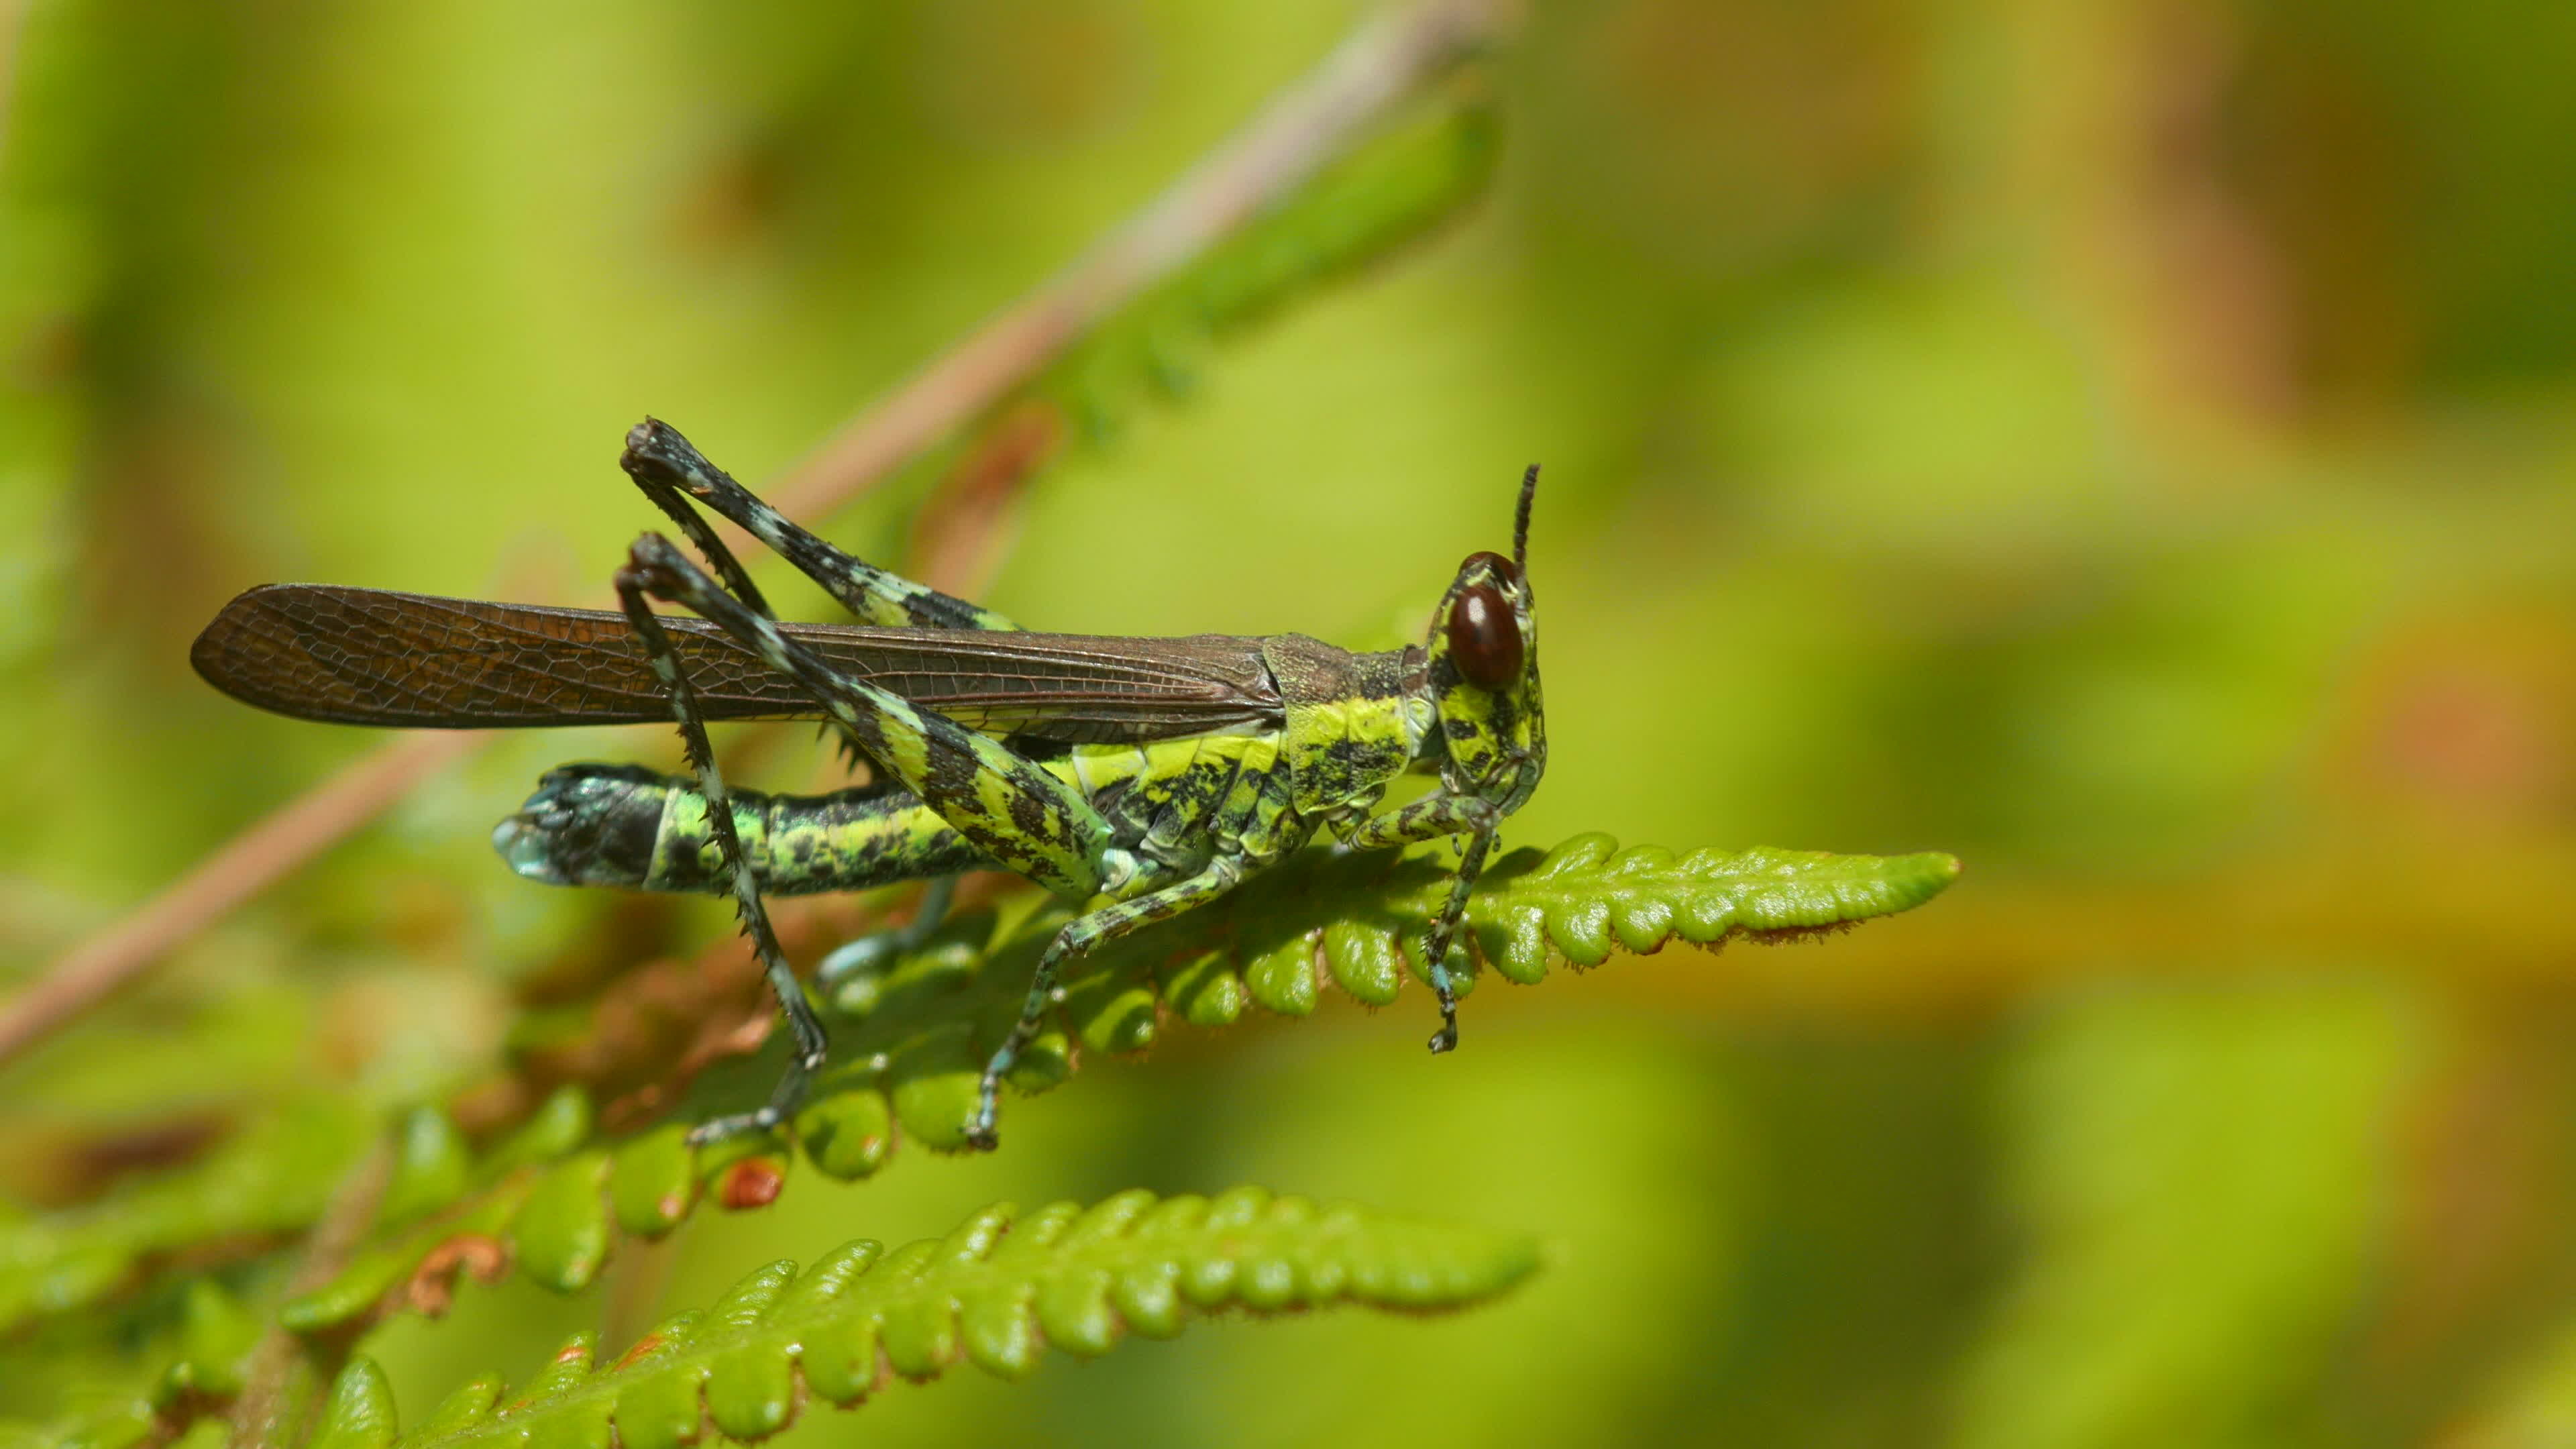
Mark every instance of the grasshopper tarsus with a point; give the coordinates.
(811, 1055)
(1145, 776)
(982, 1135)
(1444, 1040)
(740, 1124)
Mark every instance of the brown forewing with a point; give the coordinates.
(374, 657)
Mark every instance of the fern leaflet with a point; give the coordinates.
(995, 1293)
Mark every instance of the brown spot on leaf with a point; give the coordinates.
(752, 1182)
(643, 1346)
(433, 1284)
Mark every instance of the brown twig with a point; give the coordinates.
(1378, 66)
(1305, 127)
(288, 836)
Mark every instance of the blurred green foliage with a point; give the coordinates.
(997, 1292)
(2127, 444)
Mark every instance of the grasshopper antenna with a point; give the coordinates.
(1520, 521)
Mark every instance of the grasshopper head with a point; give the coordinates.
(1483, 673)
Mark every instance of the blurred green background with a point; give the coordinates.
(2127, 443)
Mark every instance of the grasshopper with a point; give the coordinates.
(1134, 778)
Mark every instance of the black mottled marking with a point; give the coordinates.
(1031, 815)
(793, 853)
(1346, 759)
(870, 733)
(951, 767)
(1186, 813)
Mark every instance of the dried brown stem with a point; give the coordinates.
(285, 838)
(1309, 124)
(1305, 127)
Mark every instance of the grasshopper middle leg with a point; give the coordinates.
(1075, 937)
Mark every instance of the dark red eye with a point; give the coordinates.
(1484, 639)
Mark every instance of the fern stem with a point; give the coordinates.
(281, 1395)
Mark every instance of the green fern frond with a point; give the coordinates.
(1392, 189)
(995, 1293)
(216, 1334)
(270, 1179)
(909, 1045)
(444, 1213)
(549, 1201)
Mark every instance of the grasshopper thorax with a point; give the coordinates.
(1481, 672)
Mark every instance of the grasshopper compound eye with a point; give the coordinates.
(1484, 638)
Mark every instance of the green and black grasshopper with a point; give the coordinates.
(1136, 778)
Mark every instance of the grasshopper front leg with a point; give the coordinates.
(1431, 818)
